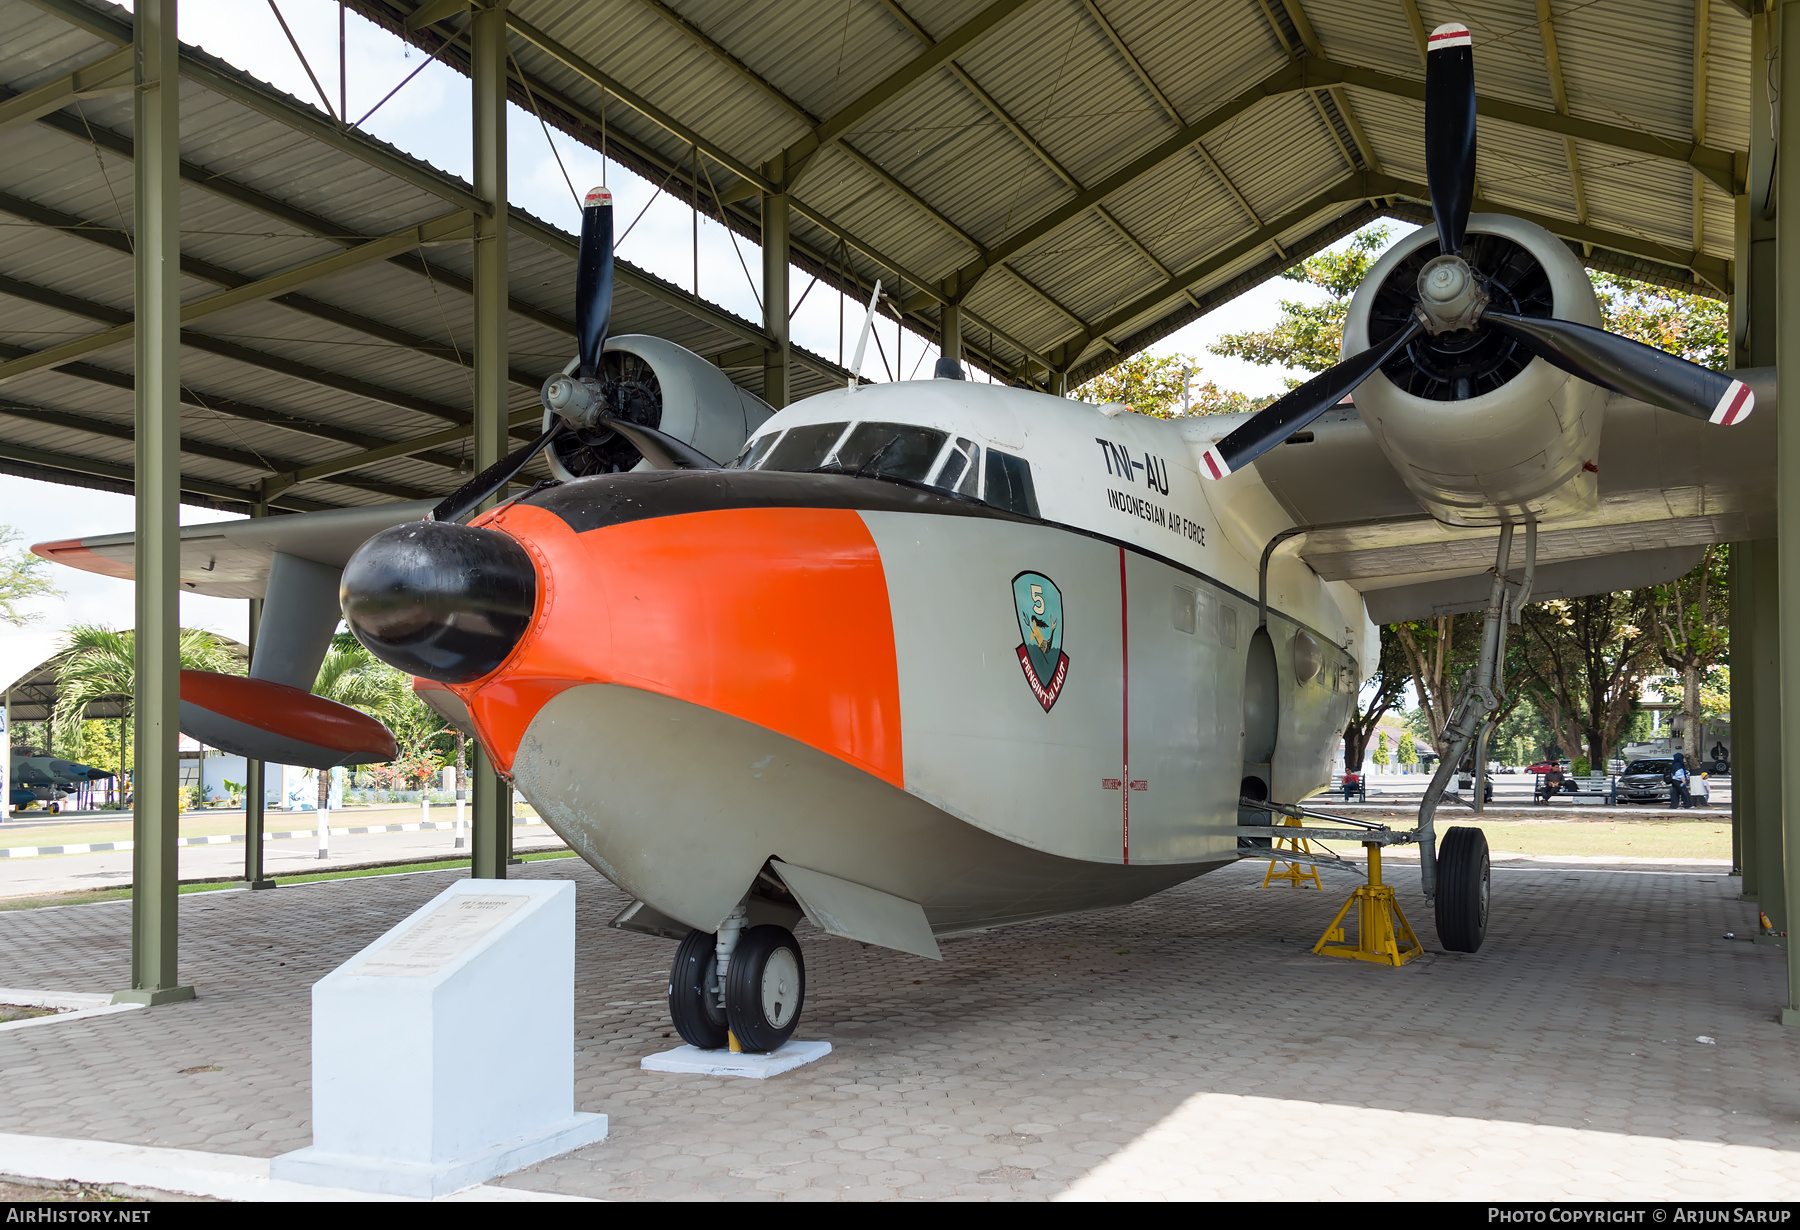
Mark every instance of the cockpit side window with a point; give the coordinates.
(804, 447)
(751, 455)
(1009, 484)
(892, 450)
(961, 469)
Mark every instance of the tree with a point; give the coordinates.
(97, 663)
(351, 675)
(1690, 638)
(1692, 326)
(1161, 385)
(1409, 750)
(1379, 694)
(1582, 660)
(1438, 652)
(22, 576)
(1310, 336)
(1381, 750)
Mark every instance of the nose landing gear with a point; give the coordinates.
(755, 1005)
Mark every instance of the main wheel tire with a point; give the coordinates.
(694, 995)
(765, 988)
(1462, 889)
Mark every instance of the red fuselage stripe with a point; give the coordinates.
(1125, 677)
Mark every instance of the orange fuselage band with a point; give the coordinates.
(778, 616)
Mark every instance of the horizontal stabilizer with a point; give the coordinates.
(260, 720)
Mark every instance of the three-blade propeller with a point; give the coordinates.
(1451, 297)
(576, 402)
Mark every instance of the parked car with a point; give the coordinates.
(1644, 782)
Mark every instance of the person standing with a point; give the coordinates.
(1678, 783)
(1699, 791)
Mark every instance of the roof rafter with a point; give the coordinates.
(453, 225)
(127, 476)
(110, 74)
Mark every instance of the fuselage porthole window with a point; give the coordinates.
(1009, 484)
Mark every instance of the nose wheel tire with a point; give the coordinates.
(765, 988)
(694, 994)
(1462, 889)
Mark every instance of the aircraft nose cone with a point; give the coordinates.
(442, 601)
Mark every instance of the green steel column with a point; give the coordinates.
(487, 849)
(488, 860)
(156, 700)
(1787, 471)
(1766, 663)
(1743, 721)
(775, 297)
(253, 772)
(950, 329)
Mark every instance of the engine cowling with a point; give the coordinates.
(655, 383)
(1477, 426)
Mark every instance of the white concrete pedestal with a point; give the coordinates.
(402, 1100)
(735, 1063)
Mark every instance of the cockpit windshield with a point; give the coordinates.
(804, 447)
(890, 450)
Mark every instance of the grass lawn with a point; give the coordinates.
(1708, 836)
(348, 873)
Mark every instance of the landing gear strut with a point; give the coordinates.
(1462, 905)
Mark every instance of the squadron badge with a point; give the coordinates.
(1046, 666)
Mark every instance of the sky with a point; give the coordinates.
(657, 235)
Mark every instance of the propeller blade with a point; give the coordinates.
(1632, 368)
(1450, 132)
(1275, 423)
(594, 280)
(662, 450)
(466, 498)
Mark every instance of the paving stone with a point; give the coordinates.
(1038, 1061)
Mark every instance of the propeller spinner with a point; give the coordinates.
(1452, 297)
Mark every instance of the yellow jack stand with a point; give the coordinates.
(1296, 874)
(1382, 933)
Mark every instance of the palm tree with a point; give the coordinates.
(351, 675)
(97, 663)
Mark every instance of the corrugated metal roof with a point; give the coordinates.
(373, 355)
(947, 168)
(928, 191)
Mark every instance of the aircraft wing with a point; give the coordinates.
(231, 559)
(1669, 486)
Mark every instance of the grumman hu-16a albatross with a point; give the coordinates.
(935, 656)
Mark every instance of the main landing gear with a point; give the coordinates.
(742, 988)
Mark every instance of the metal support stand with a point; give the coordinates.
(1481, 698)
(253, 772)
(1383, 936)
(1296, 873)
(487, 850)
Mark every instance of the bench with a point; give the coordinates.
(1591, 791)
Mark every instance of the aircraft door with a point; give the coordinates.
(1262, 723)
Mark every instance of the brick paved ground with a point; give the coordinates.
(1187, 1046)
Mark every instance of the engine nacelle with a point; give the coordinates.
(655, 383)
(1476, 426)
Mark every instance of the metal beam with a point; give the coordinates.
(1711, 269)
(528, 418)
(110, 74)
(775, 297)
(1307, 245)
(792, 159)
(237, 353)
(1558, 92)
(126, 476)
(202, 448)
(221, 78)
(448, 226)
